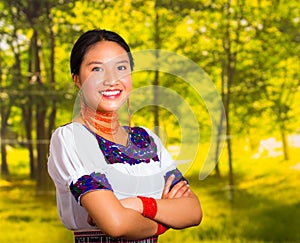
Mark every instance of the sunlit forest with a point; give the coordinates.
(218, 81)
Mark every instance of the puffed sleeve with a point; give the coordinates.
(68, 166)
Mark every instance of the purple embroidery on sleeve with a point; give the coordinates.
(86, 183)
(178, 177)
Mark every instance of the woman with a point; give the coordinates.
(114, 183)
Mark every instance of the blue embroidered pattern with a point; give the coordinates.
(86, 183)
(140, 148)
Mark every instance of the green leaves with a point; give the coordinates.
(264, 50)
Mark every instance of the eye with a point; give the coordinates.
(122, 67)
(97, 69)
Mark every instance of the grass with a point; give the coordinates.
(24, 216)
(265, 205)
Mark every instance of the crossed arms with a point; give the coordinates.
(178, 208)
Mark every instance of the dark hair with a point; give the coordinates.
(90, 38)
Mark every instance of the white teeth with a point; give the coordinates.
(110, 92)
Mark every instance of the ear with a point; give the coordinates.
(76, 80)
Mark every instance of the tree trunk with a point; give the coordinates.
(4, 112)
(228, 73)
(52, 115)
(217, 169)
(43, 179)
(4, 166)
(284, 141)
(155, 103)
(156, 76)
(219, 138)
(27, 112)
(27, 116)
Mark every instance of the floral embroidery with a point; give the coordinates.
(86, 183)
(141, 148)
(178, 177)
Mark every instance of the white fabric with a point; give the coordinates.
(74, 152)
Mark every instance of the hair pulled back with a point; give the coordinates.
(89, 39)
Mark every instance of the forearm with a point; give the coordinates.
(175, 212)
(179, 213)
(135, 226)
(116, 220)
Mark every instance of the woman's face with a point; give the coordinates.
(105, 76)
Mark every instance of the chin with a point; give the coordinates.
(108, 109)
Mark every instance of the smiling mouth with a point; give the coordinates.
(110, 92)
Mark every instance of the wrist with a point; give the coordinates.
(140, 206)
(161, 228)
(149, 207)
(132, 203)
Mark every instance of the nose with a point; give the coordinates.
(110, 78)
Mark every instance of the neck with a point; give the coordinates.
(101, 122)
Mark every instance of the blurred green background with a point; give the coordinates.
(249, 49)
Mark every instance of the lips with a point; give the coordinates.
(110, 93)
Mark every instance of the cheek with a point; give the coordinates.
(87, 87)
(90, 91)
(90, 82)
(128, 84)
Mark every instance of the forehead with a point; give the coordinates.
(105, 51)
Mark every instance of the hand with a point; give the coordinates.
(181, 189)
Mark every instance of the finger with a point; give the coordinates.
(184, 191)
(188, 193)
(178, 185)
(176, 189)
(168, 184)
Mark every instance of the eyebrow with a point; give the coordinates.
(98, 62)
(94, 62)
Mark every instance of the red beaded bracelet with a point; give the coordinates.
(161, 229)
(149, 207)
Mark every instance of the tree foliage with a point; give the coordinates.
(252, 46)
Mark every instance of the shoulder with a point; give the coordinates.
(70, 135)
(68, 130)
